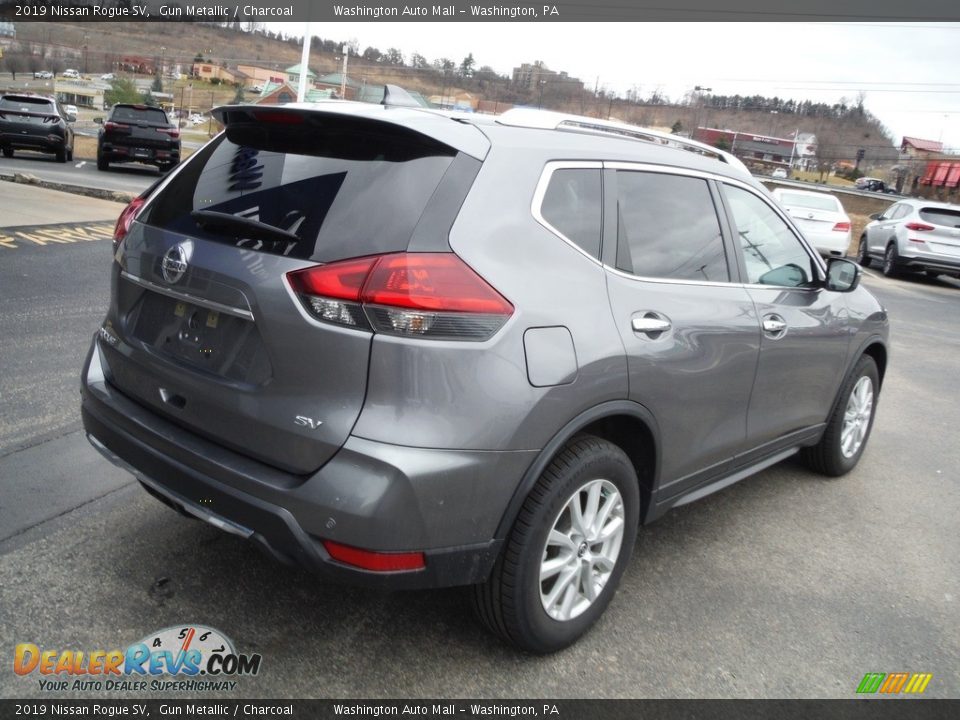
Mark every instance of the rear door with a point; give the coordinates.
(211, 333)
(689, 328)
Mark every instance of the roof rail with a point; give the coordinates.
(549, 120)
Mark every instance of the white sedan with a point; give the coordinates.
(820, 217)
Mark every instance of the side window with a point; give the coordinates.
(902, 212)
(667, 227)
(772, 253)
(573, 205)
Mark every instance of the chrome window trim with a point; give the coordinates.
(536, 204)
(555, 165)
(187, 297)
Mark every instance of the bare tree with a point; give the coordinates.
(14, 63)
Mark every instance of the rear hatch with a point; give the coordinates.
(141, 128)
(209, 331)
(27, 116)
(940, 229)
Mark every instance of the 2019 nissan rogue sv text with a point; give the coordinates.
(410, 349)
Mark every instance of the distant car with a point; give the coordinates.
(914, 234)
(196, 119)
(138, 133)
(873, 185)
(820, 217)
(71, 111)
(779, 174)
(108, 76)
(71, 74)
(256, 89)
(43, 75)
(34, 122)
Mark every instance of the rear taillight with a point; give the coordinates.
(172, 132)
(126, 219)
(842, 227)
(429, 295)
(376, 561)
(918, 226)
(110, 125)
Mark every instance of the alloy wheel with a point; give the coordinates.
(856, 418)
(581, 550)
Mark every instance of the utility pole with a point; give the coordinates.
(343, 75)
(304, 64)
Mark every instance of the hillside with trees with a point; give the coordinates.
(841, 128)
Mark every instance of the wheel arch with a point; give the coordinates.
(878, 351)
(628, 425)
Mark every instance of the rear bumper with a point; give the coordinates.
(113, 152)
(43, 143)
(939, 264)
(370, 495)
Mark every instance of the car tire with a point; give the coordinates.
(70, 154)
(166, 167)
(849, 424)
(61, 156)
(535, 597)
(863, 254)
(102, 163)
(891, 258)
(8, 152)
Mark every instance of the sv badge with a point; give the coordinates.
(307, 422)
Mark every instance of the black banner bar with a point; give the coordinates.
(326, 11)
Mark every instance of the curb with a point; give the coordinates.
(98, 193)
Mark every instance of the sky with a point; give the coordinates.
(910, 72)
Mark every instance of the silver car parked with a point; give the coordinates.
(413, 349)
(914, 234)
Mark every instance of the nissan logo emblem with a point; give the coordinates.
(174, 264)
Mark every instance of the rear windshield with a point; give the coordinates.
(150, 115)
(335, 191)
(27, 104)
(809, 201)
(941, 216)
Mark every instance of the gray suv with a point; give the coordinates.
(412, 349)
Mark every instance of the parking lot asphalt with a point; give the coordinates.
(784, 585)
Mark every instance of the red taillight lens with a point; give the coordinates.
(918, 226)
(172, 132)
(339, 280)
(110, 125)
(280, 118)
(431, 295)
(376, 561)
(431, 281)
(126, 219)
(842, 227)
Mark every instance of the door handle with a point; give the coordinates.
(650, 324)
(774, 325)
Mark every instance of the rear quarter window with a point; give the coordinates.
(573, 206)
(345, 193)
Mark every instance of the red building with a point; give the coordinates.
(760, 152)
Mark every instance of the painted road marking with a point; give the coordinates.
(80, 164)
(53, 235)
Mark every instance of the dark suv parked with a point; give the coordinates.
(416, 350)
(138, 133)
(35, 122)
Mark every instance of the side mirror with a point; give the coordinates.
(71, 117)
(877, 216)
(98, 120)
(842, 275)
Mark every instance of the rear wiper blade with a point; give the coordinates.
(213, 221)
